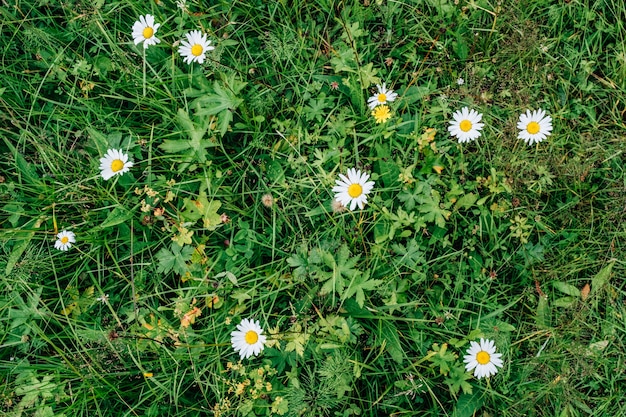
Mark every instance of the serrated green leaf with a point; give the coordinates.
(358, 285)
(174, 260)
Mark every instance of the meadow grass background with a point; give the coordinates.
(367, 312)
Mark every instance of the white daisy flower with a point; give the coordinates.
(248, 339)
(465, 125)
(534, 127)
(64, 240)
(353, 189)
(114, 162)
(482, 358)
(460, 81)
(144, 30)
(195, 47)
(383, 96)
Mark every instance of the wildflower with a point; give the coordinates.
(65, 240)
(334, 85)
(482, 358)
(381, 114)
(466, 125)
(460, 81)
(104, 299)
(144, 30)
(381, 97)
(248, 339)
(267, 200)
(353, 189)
(195, 47)
(337, 207)
(534, 127)
(114, 162)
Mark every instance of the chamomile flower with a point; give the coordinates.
(353, 189)
(65, 240)
(114, 162)
(383, 96)
(534, 127)
(465, 125)
(195, 47)
(248, 339)
(144, 30)
(381, 114)
(482, 358)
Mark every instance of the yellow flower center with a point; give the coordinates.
(117, 165)
(355, 190)
(148, 32)
(533, 128)
(382, 97)
(465, 125)
(483, 357)
(252, 337)
(65, 239)
(196, 50)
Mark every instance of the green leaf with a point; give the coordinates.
(389, 334)
(564, 302)
(17, 251)
(358, 285)
(542, 316)
(441, 358)
(601, 278)
(203, 209)
(565, 288)
(222, 102)
(118, 215)
(468, 405)
(457, 379)
(341, 269)
(429, 206)
(368, 75)
(174, 260)
(466, 201)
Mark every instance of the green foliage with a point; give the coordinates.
(228, 210)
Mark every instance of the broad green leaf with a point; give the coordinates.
(468, 404)
(564, 302)
(118, 215)
(566, 288)
(18, 251)
(602, 277)
(466, 201)
(542, 316)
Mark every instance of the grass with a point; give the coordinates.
(228, 210)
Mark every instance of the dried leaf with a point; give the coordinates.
(584, 293)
